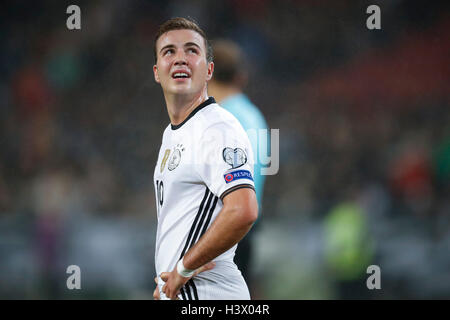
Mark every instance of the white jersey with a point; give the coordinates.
(201, 160)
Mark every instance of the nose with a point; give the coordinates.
(180, 58)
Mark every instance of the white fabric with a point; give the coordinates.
(189, 178)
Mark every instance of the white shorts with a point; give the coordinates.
(223, 282)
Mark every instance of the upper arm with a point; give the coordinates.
(226, 159)
(244, 201)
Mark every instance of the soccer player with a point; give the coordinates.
(229, 79)
(204, 186)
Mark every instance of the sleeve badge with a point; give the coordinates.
(234, 157)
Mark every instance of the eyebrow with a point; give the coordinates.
(190, 44)
(187, 44)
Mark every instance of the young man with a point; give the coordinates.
(226, 85)
(204, 187)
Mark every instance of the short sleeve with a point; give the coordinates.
(225, 159)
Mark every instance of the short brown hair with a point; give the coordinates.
(179, 23)
(230, 65)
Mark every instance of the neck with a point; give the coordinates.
(221, 91)
(180, 106)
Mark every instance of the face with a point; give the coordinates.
(181, 66)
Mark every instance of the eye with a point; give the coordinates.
(193, 50)
(168, 51)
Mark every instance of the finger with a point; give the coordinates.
(173, 297)
(205, 267)
(165, 276)
(168, 294)
(156, 295)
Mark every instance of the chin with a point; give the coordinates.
(182, 90)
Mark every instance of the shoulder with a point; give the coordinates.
(220, 128)
(217, 117)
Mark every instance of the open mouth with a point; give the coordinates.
(180, 75)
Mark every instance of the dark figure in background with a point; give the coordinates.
(229, 79)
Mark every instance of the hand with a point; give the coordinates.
(174, 281)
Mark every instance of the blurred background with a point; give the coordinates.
(364, 121)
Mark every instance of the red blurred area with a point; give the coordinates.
(415, 68)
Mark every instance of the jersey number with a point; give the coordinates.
(160, 192)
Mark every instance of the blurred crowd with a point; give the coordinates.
(364, 123)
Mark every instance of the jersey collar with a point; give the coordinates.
(209, 101)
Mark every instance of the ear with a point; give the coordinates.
(155, 73)
(210, 71)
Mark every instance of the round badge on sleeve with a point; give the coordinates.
(234, 157)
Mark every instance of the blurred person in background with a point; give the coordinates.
(348, 249)
(227, 84)
(205, 193)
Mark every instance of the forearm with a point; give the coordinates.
(230, 226)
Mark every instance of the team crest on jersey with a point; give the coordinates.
(176, 157)
(164, 160)
(234, 157)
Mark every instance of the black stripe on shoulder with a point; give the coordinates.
(239, 186)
